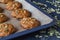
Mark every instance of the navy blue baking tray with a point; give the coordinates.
(33, 29)
(32, 37)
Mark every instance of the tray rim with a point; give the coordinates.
(33, 29)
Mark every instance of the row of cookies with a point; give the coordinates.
(26, 21)
(5, 28)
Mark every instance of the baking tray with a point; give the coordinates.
(45, 19)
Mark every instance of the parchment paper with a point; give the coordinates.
(35, 13)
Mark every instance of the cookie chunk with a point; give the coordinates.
(21, 13)
(5, 1)
(3, 18)
(29, 23)
(1, 10)
(6, 29)
(13, 5)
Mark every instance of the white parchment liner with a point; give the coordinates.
(35, 13)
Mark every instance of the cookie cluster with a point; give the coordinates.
(17, 12)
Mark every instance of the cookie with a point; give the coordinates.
(13, 5)
(3, 18)
(1, 10)
(5, 1)
(29, 23)
(21, 13)
(6, 29)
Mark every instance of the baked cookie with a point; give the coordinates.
(3, 18)
(5, 1)
(6, 29)
(13, 5)
(29, 23)
(1, 10)
(21, 13)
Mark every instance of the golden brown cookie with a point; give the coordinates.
(6, 29)
(29, 23)
(21, 13)
(3, 18)
(13, 5)
(1, 10)
(5, 1)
